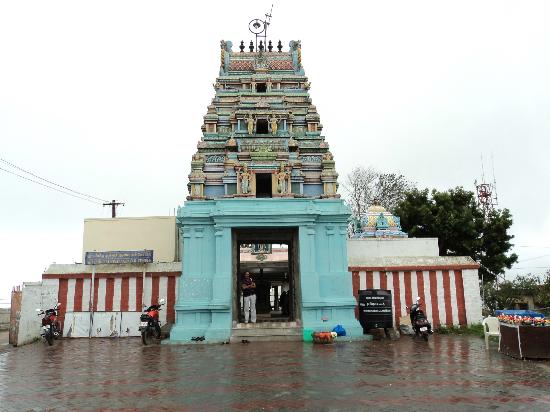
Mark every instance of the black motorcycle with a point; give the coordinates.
(150, 323)
(419, 323)
(50, 325)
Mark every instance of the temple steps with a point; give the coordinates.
(266, 331)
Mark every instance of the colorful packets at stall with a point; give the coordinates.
(523, 320)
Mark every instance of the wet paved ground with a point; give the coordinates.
(4, 337)
(450, 373)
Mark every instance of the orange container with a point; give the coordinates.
(322, 337)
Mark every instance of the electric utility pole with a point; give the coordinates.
(113, 205)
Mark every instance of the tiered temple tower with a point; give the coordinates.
(262, 134)
(262, 173)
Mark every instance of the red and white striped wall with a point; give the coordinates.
(115, 292)
(449, 295)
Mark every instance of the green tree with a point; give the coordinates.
(505, 295)
(460, 226)
(542, 291)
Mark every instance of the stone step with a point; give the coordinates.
(264, 325)
(291, 338)
(257, 334)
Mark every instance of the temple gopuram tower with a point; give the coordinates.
(262, 174)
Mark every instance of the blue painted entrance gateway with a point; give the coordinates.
(263, 173)
(206, 293)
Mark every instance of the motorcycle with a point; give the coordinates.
(150, 324)
(50, 325)
(419, 323)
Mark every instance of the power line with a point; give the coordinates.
(49, 187)
(533, 258)
(50, 182)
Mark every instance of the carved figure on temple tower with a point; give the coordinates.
(250, 123)
(269, 84)
(282, 177)
(273, 120)
(245, 180)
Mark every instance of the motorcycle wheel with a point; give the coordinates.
(147, 335)
(49, 336)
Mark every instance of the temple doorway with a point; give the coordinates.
(271, 258)
(263, 184)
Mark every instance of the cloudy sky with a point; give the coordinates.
(107, 98)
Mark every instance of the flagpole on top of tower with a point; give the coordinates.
(259, 28)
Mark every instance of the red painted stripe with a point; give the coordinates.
(420, 288)
(154, 291)
(96, 291)
(433, 294)
(124, 294)
(139, 293)
(109, 294)
(396, 297)
(62, 298)
(408, 288)
(447, 296)
(356, 286)
(171, 300)
(414, 267)
(460, 300)
(370, 280)
(383, 280)
(78, 291)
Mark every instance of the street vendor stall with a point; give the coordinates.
(524, 337)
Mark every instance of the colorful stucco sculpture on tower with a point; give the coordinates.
(378, 223)
(262, 162)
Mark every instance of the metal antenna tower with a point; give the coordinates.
(486, 192)
(259, 28)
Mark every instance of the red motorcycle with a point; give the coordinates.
(50, 325)
(150, 323)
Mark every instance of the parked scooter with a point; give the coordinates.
(150, 323)
(419, 323)
(50, 325)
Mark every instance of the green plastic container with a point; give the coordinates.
(307, 333)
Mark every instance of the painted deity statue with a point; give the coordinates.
(381, 222)
(273, 121)
(281, 180)
(250, 124)
(245, 180)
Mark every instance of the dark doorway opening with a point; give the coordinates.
(261, 87)
(270, 255)
(261, 126)
(263, 184)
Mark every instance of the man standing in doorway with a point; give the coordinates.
(249, 292)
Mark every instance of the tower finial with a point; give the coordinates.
(259, 28)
